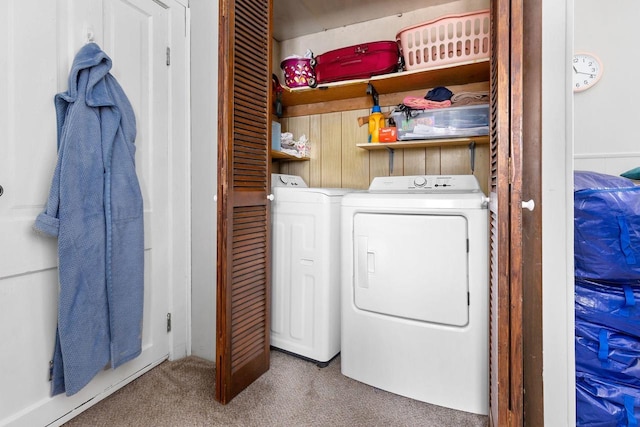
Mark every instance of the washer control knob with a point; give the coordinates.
(284, 179)
(420, 181)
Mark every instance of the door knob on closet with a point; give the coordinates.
(270, 197)
(531, 205)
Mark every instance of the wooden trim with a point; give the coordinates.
(499, 342)
(515, 235)
(223, 298)
(506, 322)
(533, 404)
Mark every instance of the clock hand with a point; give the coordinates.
(574, 69)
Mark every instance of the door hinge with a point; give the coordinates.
(168, 322)
(168, 56)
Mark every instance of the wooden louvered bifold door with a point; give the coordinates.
(506, 367)
(244, 123)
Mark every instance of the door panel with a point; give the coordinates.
(25, 188)
(28, 271)
(244, 132)
(506, 367)
(135, 35)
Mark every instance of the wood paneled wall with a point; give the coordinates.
(336, 161)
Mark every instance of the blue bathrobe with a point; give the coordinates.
(95, 210)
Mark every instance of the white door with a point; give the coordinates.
(38, 40)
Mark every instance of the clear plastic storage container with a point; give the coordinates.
(452, 122)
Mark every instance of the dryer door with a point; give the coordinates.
(412, 266)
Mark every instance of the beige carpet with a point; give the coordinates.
(293, 393)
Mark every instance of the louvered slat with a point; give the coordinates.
(248, 286)
(251, 122)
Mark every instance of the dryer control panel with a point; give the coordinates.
(427, 183)
(282, 180)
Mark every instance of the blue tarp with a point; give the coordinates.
(611, 305)
(608, 354)
(606, 227)
(603, 403)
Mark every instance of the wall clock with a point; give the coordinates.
(587, 70)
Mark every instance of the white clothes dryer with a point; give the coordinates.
(415, 289)
(305, 284)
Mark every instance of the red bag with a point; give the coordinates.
(356, 62)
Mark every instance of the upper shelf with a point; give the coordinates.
(461, 74)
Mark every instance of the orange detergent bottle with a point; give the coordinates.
(376, 122)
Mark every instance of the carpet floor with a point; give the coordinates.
(294, 392)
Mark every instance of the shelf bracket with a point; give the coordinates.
(391, 153)
(472, 155)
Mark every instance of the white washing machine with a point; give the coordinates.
(305, 284)
(415, 284)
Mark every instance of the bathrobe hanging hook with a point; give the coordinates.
(89, 34)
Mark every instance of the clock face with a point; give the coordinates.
(587, 70)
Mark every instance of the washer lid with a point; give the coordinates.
(309, 195)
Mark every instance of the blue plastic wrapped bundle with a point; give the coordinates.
(606, 227)
(602, 403)
(607, 354)
(611, 305)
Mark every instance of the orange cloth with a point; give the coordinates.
(424, 104)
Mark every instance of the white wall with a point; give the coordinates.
(605, 115)
(557, 214)
(204, 181)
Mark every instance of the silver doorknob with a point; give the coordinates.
(270, 197)
(531, 205)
